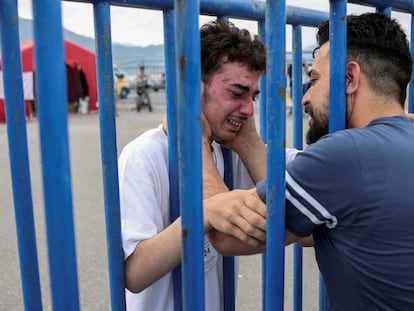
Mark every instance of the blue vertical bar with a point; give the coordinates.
(170, 94)
(276, 101)
(189, 151)
(410, 86)
(337, 111)
(262, 99)
(19, 155)
(323, 298)
(263, 128)
(297, 143)
(337, 34)
(297, 86)
(52, 102)
(107, 127)
(228, 261)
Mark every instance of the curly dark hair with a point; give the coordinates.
(381, 48)
(222, 42)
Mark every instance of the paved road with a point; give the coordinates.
(89, 218)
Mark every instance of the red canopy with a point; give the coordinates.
(76, 57)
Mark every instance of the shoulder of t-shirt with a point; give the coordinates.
(337, 146)
(147, 142)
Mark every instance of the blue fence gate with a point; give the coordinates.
(182, 91)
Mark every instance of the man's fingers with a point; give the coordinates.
(254, 203)
(248, 239)
(240, 214)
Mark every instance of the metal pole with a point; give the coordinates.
(19, 155)
(107, 127)
(410, 86)
(276, 118)
(297, 143)
(52, 106)
(170, 95)
(189, 150)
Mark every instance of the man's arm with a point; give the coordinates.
(290, 238)
(251, 150)
(249, 236)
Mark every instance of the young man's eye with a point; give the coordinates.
(255, 97)
(236, 94)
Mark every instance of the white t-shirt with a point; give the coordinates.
(145, 211)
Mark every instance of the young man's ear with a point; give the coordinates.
(353, 77)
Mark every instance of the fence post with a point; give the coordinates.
(107, 111)
(276, 122)
(410, 86)
(19, 156)
(54, 143)
(189, 149)
(171, 95)
(298, 144)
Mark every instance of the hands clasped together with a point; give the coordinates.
(235, 220)
(241, 216)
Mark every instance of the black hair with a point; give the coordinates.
(222, 42)
(381, 48)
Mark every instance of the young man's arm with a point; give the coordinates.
(153, 258)
(238, 215)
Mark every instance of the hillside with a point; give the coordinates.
(121, 54)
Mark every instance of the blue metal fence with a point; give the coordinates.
(182, 92)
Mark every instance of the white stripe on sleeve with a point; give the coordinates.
(330, 220)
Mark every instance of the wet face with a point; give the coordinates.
(316, 99)
(228, 99)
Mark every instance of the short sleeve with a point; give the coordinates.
(322, 184)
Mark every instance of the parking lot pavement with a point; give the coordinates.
(88, 210)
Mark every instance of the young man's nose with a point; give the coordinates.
(248, 107)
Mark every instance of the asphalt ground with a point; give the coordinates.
(89, 219)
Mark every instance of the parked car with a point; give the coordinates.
(121, 84)
(156, 81)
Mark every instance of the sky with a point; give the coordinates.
(141, 27)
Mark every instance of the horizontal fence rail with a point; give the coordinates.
(182, 70)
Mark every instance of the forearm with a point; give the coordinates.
(228, 245)
(153, 258)
(212, 181)
(225, 243)
(252, 151)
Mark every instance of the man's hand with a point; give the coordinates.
(246, 135)
(251, 149)
(238, 213)
(410, 116)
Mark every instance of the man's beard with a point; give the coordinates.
(316, 131)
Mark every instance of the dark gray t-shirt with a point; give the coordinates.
(353, 190)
